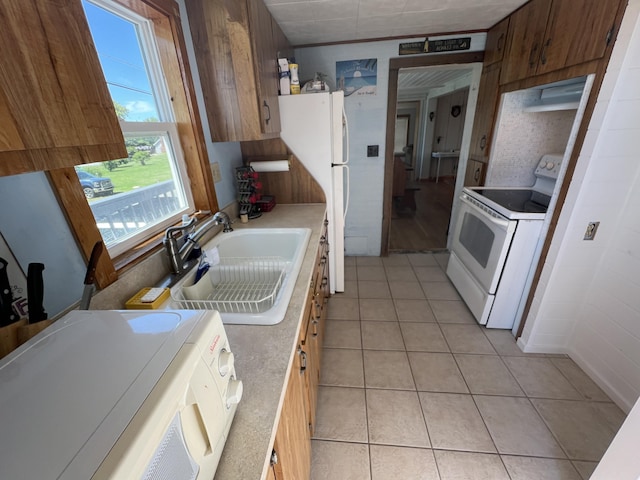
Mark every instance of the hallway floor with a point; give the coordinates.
(423, 229)
(413, 389)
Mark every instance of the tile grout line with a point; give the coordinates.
(478, 410)
(364, 383)
(497, 353)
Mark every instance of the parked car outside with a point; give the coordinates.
(93, 185)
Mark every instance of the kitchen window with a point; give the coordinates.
(181, 129)
(147, 191)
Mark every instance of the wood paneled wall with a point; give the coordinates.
(295, 186)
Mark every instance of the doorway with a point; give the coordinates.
(419, 187)
(435, 100)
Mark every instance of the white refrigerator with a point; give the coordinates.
(314, 126)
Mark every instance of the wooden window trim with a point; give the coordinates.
(165, 15)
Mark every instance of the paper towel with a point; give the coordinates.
(271, 166)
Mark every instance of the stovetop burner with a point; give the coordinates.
(517, 200)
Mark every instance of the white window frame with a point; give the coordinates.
(179, 171)
(167, 125)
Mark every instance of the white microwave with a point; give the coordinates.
(119, 395)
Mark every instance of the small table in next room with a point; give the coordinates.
(440, 155)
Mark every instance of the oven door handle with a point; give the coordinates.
(487, 213)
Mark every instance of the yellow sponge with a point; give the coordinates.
(136, 303)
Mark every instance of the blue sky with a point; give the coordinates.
(122, 64)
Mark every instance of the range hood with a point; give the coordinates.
(564, 96)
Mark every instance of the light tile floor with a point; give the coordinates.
(413, 389)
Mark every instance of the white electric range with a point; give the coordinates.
(495, 238)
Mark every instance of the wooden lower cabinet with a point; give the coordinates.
(271, 473)
(485, 111)
(292, 447)
(293, 443)
(475, 174)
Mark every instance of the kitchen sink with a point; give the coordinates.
(251, 277)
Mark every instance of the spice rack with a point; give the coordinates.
(248, 191)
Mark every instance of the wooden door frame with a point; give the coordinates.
(395, 64)
(406, 140)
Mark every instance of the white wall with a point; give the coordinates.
(523, 137)
(367, 126)
(588, 301)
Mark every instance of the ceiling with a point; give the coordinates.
(307, 22)
(416, 82)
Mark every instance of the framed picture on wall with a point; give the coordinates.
(357, 77)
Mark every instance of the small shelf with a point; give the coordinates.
(552, 107)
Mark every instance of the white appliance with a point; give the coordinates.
(119, 395)
(495, 238)
(315, 128)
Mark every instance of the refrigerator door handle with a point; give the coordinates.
(345, 134)
(346, 203)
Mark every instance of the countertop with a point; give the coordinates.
(263, 357)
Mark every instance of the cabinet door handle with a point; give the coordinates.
(325, 280)
(266, 120)
(610, 35)
(483, 142)
(500, 43)
(476, 175)
(543, 54)
(533, 59)
(274, 457)
(303, 360)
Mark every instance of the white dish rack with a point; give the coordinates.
(235, 285)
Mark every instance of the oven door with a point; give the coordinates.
(481, 241)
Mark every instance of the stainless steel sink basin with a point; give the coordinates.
(251, 278)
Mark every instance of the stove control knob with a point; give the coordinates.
(234, 392)
(550, 165)
(225, 362)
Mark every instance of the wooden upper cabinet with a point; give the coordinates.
(266, 65)
(236, 53)
(548, 35)
(524, 41)
(485, 112)
(577, 31)
(496, 42)
(55, 108)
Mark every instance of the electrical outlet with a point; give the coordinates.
(592, 228)
(372, 150)
(215, 171)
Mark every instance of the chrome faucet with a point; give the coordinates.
(179, 255)
(223, 218)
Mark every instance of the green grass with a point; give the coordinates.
(132, 175)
